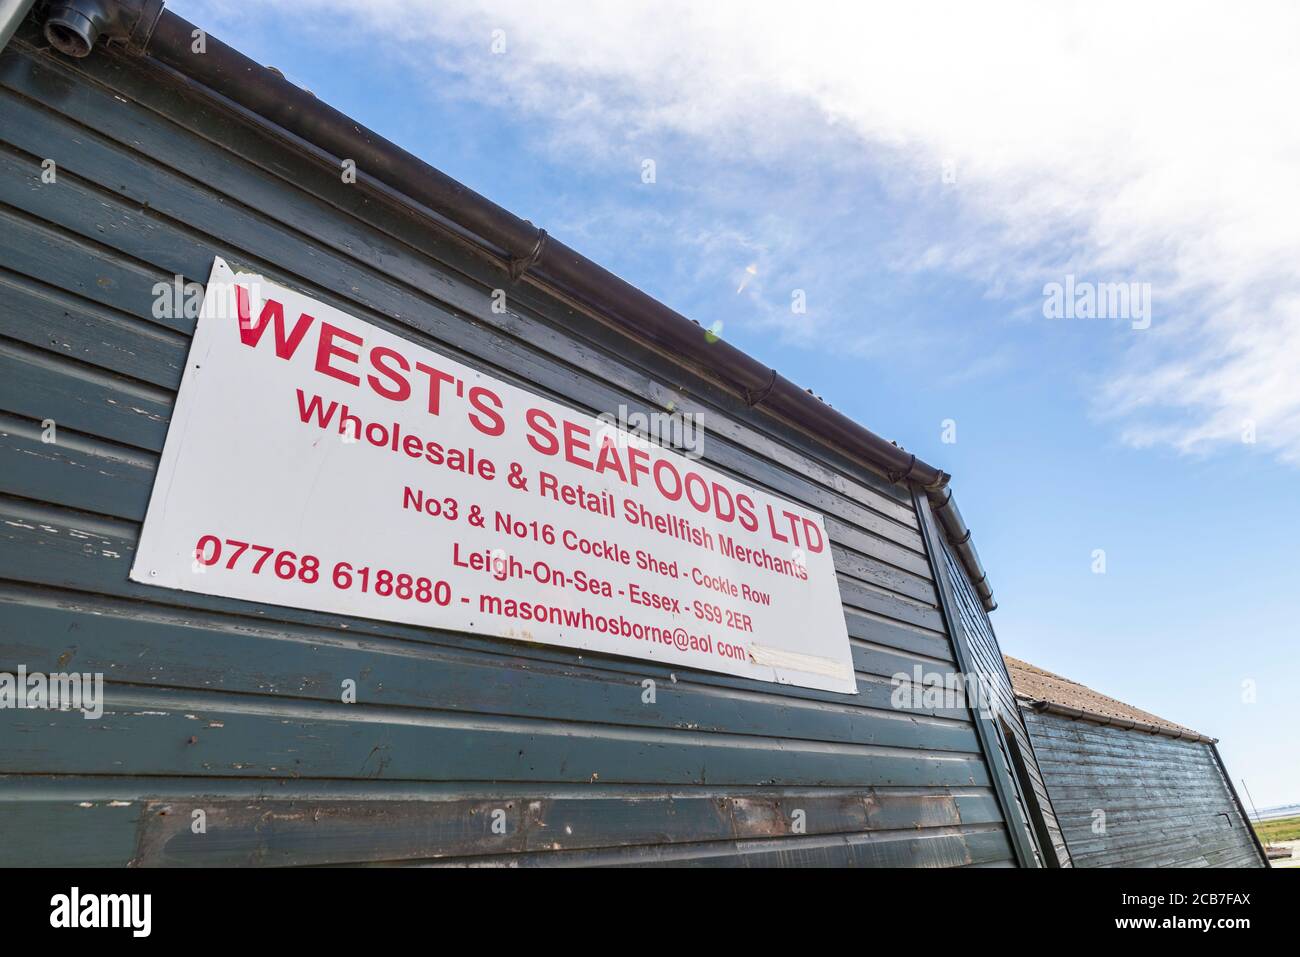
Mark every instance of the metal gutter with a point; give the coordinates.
(1127, 724)
(527, 251)
(959, 536)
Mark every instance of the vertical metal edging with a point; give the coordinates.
(989, 735)
(1029, 797)
(1017, 801)
(1020, 714)
(1033, 754)
(1245, 817)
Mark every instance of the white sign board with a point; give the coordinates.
(317, 461)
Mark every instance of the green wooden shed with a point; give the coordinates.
(131, 161)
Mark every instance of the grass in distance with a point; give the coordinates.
(1282, 829)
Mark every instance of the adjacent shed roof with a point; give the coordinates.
(1052, 692)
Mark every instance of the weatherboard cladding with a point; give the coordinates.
(1165, 802)
(234, 708)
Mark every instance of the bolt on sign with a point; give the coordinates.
(315, 460)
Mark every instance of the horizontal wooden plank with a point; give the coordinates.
(882, 575)
(113, 821)
(975, 805)
(278, 832)
(1085, 760)
(185, 649)
(160, 731)
(882, 631)
(69, 325)
(1125, 799)
(35, 250)
(91, 554)
(1176, 846)
(304, 833)
(939, 848)
(72, 469)
(1106, 740)
(84, 398)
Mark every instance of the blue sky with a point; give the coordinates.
(920, 176)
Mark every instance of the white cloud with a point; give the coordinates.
(1121, 142)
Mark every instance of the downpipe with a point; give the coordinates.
(74, 26)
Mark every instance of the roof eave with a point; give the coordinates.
(1127, 724)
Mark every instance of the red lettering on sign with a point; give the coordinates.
(251, 335)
